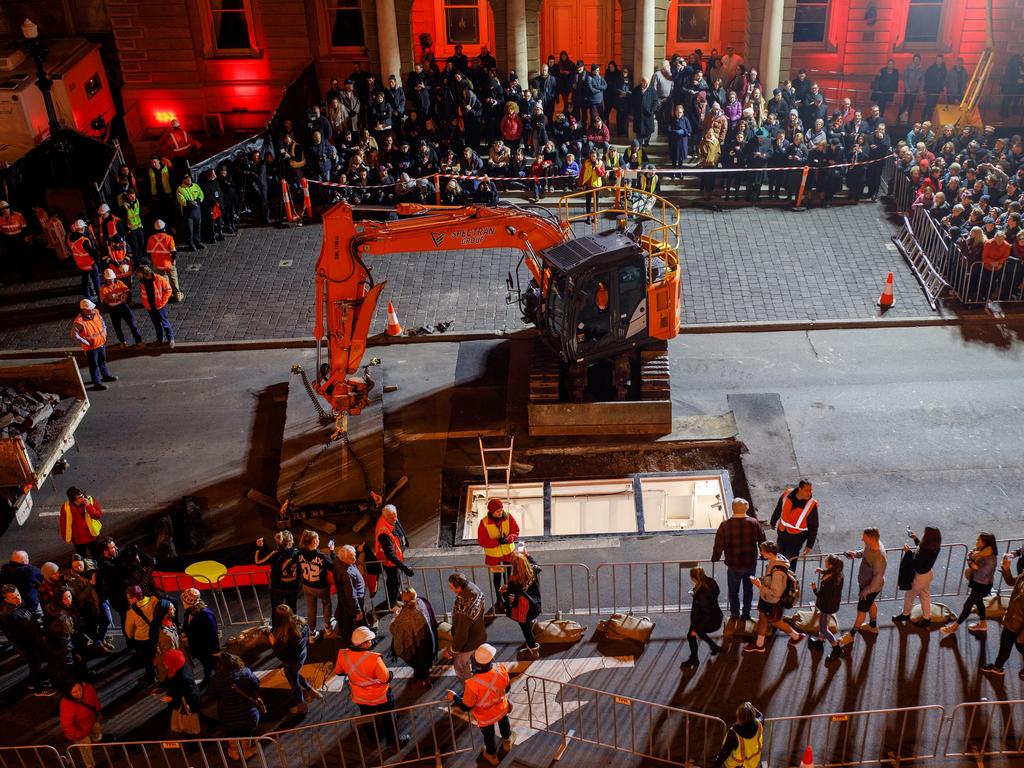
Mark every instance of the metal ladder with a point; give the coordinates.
(505, 467)
(931, 281)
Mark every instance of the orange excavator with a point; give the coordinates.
(604, 299)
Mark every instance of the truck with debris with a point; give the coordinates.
(41, 405)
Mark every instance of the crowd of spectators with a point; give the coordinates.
(971, 184)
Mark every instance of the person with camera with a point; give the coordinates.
(870, 580)
(284, 570)
(773, 587)
(497, 535)
(980, 573)
(1012, 633)
(916, 573)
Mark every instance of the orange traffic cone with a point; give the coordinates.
(808, 761)
(394, 327)
(886, 300)
(289, 214)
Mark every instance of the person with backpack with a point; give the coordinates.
(870, 580)
(829, 594)
(705, 615)
(916, 575)
(743, 740)
(980, 573)
(779, 590)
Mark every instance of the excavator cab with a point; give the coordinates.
(597, 302)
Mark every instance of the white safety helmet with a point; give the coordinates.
(86, 304)
(159, 225)
(484, 654)
(108, 274)
(4, 204)
(362, 635)
(104, 209)
(79, 225)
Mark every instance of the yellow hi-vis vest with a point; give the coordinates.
(502, 550)
(748, 753)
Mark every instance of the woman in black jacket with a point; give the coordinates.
(290, 640)
(923, 560)
(284, 569)
(705, 615)
(182, 690)
(522, 596)
(829, 593)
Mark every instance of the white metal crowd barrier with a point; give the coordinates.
(431, 730)
(622, 723)
(875, 737)
(981, 729)
(42, 756)
(257, 752)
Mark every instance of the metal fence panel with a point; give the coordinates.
(258, 752)
(981, 729)
(877, 737)
(640, 728)
(31, 757)
(431, 730)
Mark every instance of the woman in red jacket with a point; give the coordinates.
(512, 126)
(497, 535)
(80, 720)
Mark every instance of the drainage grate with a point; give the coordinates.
(193, 267)
(285, 263)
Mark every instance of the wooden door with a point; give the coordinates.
(584, 28)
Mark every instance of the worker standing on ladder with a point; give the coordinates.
(497, 535)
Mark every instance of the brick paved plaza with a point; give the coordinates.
(746, 265)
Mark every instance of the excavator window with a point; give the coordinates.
(592, 322)
(632, 292)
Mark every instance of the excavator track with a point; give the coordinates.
(545, 374)
(655, 382)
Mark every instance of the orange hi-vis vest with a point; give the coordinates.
(92, 329)
(383, 526)
(794, 519)
(117, 252)
(161, 292)
(160, 248)
(113, 293)
(108, 227)
(361, 667)
(78, 245)
(13, 223)
(501, 551)
(485, 693)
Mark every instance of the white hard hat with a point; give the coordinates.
(108, 274)
(484, 654)
(362, 635)
(79, 224)
(4, 204)
(159, 225)
(104, 208)
(86, 304)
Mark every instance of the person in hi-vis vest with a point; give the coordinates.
(497, 535)
(796, 520)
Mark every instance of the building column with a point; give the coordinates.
(643, 41)
(518, 58)
(387, 41)
(771, 44)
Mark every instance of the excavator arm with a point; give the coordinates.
(347, 295)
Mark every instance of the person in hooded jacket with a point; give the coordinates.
(414, 636)
(181, 689)
(743, 740)
(705, 615)
(200, 628)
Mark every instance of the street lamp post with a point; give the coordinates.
(39, 52)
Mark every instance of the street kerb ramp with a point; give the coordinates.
(981, 729)
(877, 737)
(580, 715)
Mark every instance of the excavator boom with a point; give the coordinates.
(347, 295)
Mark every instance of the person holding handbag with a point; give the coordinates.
(182, 695)
(522, 597)
(239, 706)
(81, 719)
(919, 562)
(705, 615)
(980, 573)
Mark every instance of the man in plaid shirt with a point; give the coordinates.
(739, 538)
